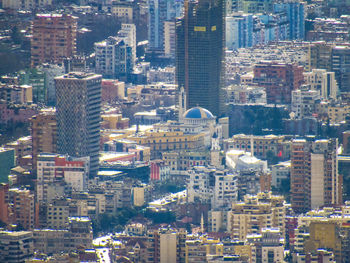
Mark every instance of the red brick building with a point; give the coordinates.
(279, 79)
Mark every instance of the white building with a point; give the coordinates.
(325, 82)
(55, 167)
(113, 57)
(241, 160)
(304, 101)
(128, 34)
(210, 185)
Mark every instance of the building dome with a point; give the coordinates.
(198, 113)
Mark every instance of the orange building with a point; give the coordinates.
(44, 134)
(4, 188)
(54, 38)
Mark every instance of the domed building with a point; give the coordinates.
(199, 116)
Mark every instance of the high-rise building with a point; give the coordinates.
(4, 189)
(114, 58)
(320, 56)
(315, 180)
(55, 167)
(166, 245)
(257, 212)
(279, 79)
(54, 38)
(21, 203)
(295, 14)
(320, 79)
(160, 11)
(78, 107)
(44, 134)
(200, 41)
(7, 161)
(341, 67)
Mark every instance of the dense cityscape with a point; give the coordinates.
(175, 131)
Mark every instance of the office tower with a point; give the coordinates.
(44, 134)
(114, 58)
(16, 247)
(341, 67)
(160, 11)
(315, 180)
(279, 79)
(54, 38)
(21, 202)
(78, 106)
(200, 41)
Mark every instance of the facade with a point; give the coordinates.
(25, 5)
(280, 175)
(61, 44)
(159, 13)
(169, 38)
(44, 134)
(50, 72)
(78, 110)
(16, 94)
(4, 216)
(166, 245)
(112, 90)
(341, 67)
(296, 17)
(267, 246)
(256, 213)
(279, 79)
(57, 214)
(16, 247)
(212, 186)
(21, 204)
(114, 58)
(320, 56)
(262, 145)
(55, 167)
(78, 234)
(320, 79)
(22, 147)
(7, 161)
(304, 102)
(315, 180)
(200, 42)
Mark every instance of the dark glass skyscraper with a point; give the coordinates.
(200, 54)
(78, 110)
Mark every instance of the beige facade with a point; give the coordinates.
(255, 213)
